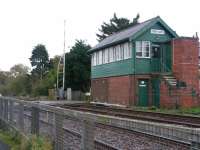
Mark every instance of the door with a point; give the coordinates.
(143, 92)
(156, 58)
(166, 57)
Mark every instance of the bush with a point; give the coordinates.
(38, 143)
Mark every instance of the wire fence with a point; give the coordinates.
(74, 130)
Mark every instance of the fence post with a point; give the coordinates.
(5, 109)
(195, 145)
(35, 113)
(59, 134)
(1, 108)
(87, 138)
(21, 117)
(11, 112)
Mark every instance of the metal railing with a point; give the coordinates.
(74, 130)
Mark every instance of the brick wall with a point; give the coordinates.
(119, 90)
(185, 68)
(185, 61)
(100, 89)
(114, 90)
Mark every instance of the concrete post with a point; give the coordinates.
(11, 112)
(1, 107)
(87, 139)
(21, 117)
(6, 110)
(35, 113)
(69, 94)
(59, 135)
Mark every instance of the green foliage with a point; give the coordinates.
(15, 82)
(18, 81)
(116, 24)
(19, 70)
(11, 139)
(39, 143)
(40, 61)
(18, 142)
(78, 67)
(181, 111)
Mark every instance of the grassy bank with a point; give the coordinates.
(195, 111)
(13, 140)
(17, 142)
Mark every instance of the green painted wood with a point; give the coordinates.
(155, 65)
(156, 91)
(143, 93)
(167, 57)
(152, 65)
(118, 68)
(142, 66)
(157, 21)
(155, 37)
(137, 65)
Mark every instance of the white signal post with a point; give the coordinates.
(64, 60)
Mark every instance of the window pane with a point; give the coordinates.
(122, 51)
(92, 60)
(117, 52)
(114, 53)
(129, 50)
(106, 55)
(100, 57)
(111, 54)
(138, 46)
(146, 48)
(125, 50)
(103, 57)
(95, 60)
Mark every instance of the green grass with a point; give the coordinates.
(195, 111)
(17, 142)
(13, 140)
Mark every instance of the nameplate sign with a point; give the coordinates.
(157, 31)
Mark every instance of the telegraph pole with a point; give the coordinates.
(64, 61)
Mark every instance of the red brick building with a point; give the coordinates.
(146, 65)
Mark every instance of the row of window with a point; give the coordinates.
(121, 52)
(112, 54)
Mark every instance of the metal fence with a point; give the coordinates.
(74, 130)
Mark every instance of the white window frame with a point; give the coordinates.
(100, 57)
(92, 59)
(111, 54)
(127, 51)
(118, 53)
(114, 54)
(103, 56)
(106, 55)
(122, 51)
(95, 59)
(143, 49)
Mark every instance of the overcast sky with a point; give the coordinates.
(26, 23)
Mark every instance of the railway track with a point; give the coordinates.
(99, 145)
(188, 121)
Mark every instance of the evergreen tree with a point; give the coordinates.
(39, 61)
(78, 67)
(116, 24)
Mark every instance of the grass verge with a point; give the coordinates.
(195, 111)
(17, 142)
